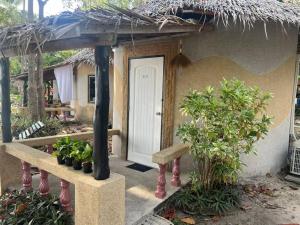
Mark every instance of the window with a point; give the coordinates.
(91, 88)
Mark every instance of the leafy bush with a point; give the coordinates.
(21, 208)
(222, 125)
(21, 122)
(210, 202)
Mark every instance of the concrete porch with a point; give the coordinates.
(140, 188)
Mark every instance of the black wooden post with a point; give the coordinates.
(100, 156)
(5, 100)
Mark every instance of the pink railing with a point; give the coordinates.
(162, 158)
(44, 188)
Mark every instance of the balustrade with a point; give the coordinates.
(162, 158)
(92, 196)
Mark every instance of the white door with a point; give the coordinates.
(145, 109)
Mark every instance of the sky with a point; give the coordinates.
(52, 7)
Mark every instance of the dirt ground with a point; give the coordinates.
(267, 200)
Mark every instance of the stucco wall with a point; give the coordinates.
(118, 102)
(85, 109)
(248, 56)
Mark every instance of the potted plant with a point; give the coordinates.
(87, 156)
(62, 149)
(76, 154)
(60, 158)
(68, 146)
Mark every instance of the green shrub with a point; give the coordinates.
(215, 201)
(21, 208)
(220, 126)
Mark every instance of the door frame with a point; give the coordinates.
(168, 50)
(128, 97)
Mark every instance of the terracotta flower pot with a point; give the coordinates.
(77, 165)
(87, 167)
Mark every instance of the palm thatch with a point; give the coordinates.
(85, 56)
(57, 27)
(155, 15)
(246, 11)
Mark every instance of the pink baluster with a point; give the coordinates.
(44, 187)
(26, 176)
(44, 184)
(176, 182)
(161, 182)
(65, 196)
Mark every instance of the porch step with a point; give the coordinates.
(153, 220)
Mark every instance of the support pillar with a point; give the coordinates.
(100, 156)
(5, 100)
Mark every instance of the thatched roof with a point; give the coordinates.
(111, 25)
(245, 11)
(85, 56)
(82, 29)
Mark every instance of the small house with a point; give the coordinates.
(254, 41)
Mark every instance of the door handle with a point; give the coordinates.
(158, 113)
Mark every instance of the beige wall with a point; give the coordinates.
(247, 55)
(85, 109)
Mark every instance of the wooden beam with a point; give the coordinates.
(62, 44)
(100, 155)
(5, 100)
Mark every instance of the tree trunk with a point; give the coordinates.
(40, 86)
(40, 70)
(32, 86)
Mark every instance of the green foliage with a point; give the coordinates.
(49, 59)
(63, 147)
(215, 201)
(20, 208)
(222, 125)
(53, 58)
(15, 65)
(9, 13)
(77, 149)
(22, 121)
(87, 154)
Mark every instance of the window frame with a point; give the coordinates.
(89, 81)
